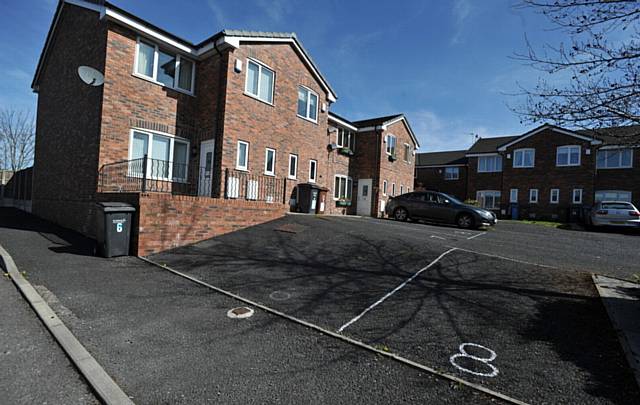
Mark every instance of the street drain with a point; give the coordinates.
(240, 312)
(279, 295)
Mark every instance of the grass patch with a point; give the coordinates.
(549, 224)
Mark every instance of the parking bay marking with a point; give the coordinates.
(390, 293)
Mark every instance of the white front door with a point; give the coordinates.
(364, 197)
(205, 178)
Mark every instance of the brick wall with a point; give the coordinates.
(621, 179)
(165, 221)
(68, 122)
(275, 125)
(432, 178)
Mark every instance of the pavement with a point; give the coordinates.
(34, 369)
(164, 339)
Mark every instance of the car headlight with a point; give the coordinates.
(486, 214)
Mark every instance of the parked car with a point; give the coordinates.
(438, 207)
(614, 213)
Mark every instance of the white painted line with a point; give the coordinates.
(390, 293)
(476, 235)
(104, 386)
(438, 237)
(344, 338)
(505, 258)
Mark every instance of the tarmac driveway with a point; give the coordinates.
(536, 333)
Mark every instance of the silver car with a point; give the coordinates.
(615, 213)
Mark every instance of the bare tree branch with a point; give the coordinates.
(17, 138)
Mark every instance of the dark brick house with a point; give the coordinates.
(202, 138)
(443, 171)
(548, 172)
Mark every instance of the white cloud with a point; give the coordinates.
(216, 9)
(276, 10)
(461, 11)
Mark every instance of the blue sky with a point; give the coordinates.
(445, 64)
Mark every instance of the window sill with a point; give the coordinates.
(578, 165)
(270, 174)
(242, 169)
(614, 168)
(451, 179)
(258, 99)
(524, 167)
(157, 83)
(307, 119)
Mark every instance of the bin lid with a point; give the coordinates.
(115, 207)
(313, 186)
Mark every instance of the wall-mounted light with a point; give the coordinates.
(324, 107)
(238, 66)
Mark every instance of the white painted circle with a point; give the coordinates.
(90, 76)
(279, 295)
(485, 360)
(240, 313)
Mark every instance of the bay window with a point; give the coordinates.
(346, 139)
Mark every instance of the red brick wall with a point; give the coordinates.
(546, 175)
(339, 164)
(68, 122)
(621, 179)
(481, 181)
(432, 178)
(165, 221)
(276, 125)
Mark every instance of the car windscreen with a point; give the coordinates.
(452, 199)
(617, 206)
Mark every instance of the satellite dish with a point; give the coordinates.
(90, 76)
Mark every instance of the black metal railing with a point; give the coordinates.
(255, 187)
(154, 175)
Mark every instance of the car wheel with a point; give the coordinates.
(465, 221)
(400, 214)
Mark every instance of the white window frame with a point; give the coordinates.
(266, 161)
(313, 163)
(246, 81)
(576, 192)
(495, 158)
(457, 173)
(555, 192)
(349, 135)
(401, 190)
(496, 194)
(513, 195)
(309, 93)
(606, 159)
(568, 148)
(523, 151)
(246, 160)
(613, 191)
(534, 192)
(172, 140)
(154, 78)
(384, 187)
(393, 189)
(395, 144)
(295, 167)
(407, 153)
(348, 188)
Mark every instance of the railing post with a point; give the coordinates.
(284, 190)
(226, 182)
(144, 173)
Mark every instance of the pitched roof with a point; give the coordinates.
(454, 157)
(490, 145)
(343, 121)
(227, 37)
(614, 135)
(371, 122)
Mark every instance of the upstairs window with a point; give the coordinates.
(523, 158)
(451, 173)
(568, 156)
(163, 67)
(346, 139)
(391, 145)
(489, 164)
(615, 159)
(307, 104)
(260, 80)
(407, 153)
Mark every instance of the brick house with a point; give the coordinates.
(548, 172)
(443, 171)
(202, 138)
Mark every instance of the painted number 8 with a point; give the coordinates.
(484, 360)
(119, 227)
